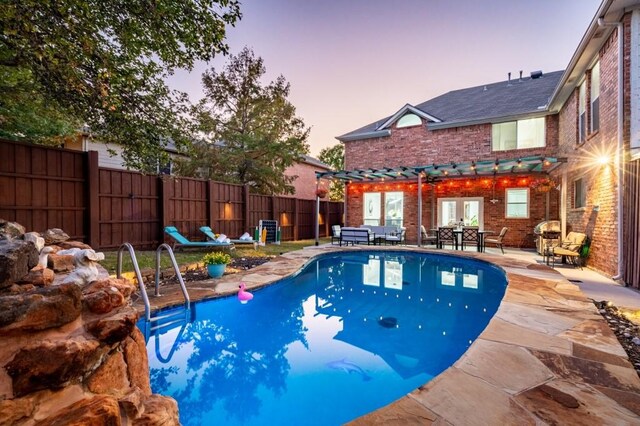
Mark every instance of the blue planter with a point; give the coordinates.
(216, 271)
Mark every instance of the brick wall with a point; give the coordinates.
(599, 217)
(419, 146)
(520, 230)
(305, 183)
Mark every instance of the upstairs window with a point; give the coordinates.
(595, 97)
(579, 193)
(519, 134)
(409, 120)
(582, 112)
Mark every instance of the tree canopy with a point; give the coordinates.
(251, 130)
(102, 63)
(334, 157)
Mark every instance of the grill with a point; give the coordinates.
(543, 228)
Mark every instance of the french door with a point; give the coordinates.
(468, 209)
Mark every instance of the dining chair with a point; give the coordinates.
(471, 235)
(498, 240)
(446, 235)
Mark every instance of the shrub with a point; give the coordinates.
(216, 258)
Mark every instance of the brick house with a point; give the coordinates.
(305, 173)
(484, 153)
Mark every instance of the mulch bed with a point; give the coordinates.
(627, 332)
(239, 264)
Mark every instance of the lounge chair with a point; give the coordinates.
(570, 248)
(498, 240)
(181, 241)
(212, 236)
(335, 233)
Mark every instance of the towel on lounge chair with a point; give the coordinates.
(211, 235)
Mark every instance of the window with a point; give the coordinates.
(519, 134)
(409, 120)
(393, 208)
(517, 203)
(467, 209)
(579, 193)
(582, 114)
(371, 208)
(595, 97)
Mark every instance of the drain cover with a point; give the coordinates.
(388, 322)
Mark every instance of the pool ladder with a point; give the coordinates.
(143, 290)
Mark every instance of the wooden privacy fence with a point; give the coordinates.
(42, 187)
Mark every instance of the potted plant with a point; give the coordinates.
(321, 192)
(216, 262)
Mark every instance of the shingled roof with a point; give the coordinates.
(473, 105)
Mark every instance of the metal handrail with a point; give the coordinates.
(136, 268)
(175, 268)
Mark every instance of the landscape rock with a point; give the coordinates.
(131, 403)
(123, 285)
(111, 377)
(159, 410)
(10, 230)
(104, 300)
(40, 309)
(135, 355)
(66, 245)
(101, 410)
(86, 266)
(54, 236)
(52, 365)
(61, 262)
(114, 328)
(38, 276)
(17, 257)
(35, 238)
(13, 411)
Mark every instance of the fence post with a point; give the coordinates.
(165, 210)
(245, 210)
(210, 194)
(93, 198)
(296, 230)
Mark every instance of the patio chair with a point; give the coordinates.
(498, 240)
(471, 235)
(446, 235)
(571, 247)
(212, 236)
(429, 237)
(180, 241)
(395, 237)
(335, 233)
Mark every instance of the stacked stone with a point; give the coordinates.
(71, 354)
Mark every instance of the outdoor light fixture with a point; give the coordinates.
(603, 160)
(473, 165)
(519, 162)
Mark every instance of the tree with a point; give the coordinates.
(334, 157)
(102, 63)
(252, 131)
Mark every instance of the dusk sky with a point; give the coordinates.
(352, 62)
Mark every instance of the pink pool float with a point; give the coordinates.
(243, 295)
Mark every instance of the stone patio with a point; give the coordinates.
(547, 356)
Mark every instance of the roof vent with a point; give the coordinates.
(520, 78)
(536, 74)
(509, 82)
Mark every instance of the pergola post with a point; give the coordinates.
(317, 216)
(420, 209)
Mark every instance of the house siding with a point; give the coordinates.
(418, 145)
(599, 217)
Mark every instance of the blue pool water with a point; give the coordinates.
(350, 333)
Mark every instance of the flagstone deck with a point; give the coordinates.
(546, 356)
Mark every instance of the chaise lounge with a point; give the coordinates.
(181, 241)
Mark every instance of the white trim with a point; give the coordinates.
(506, 203)
(403, 111)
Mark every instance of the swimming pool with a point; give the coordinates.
(348, 334)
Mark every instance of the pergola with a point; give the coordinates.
(436, 172)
